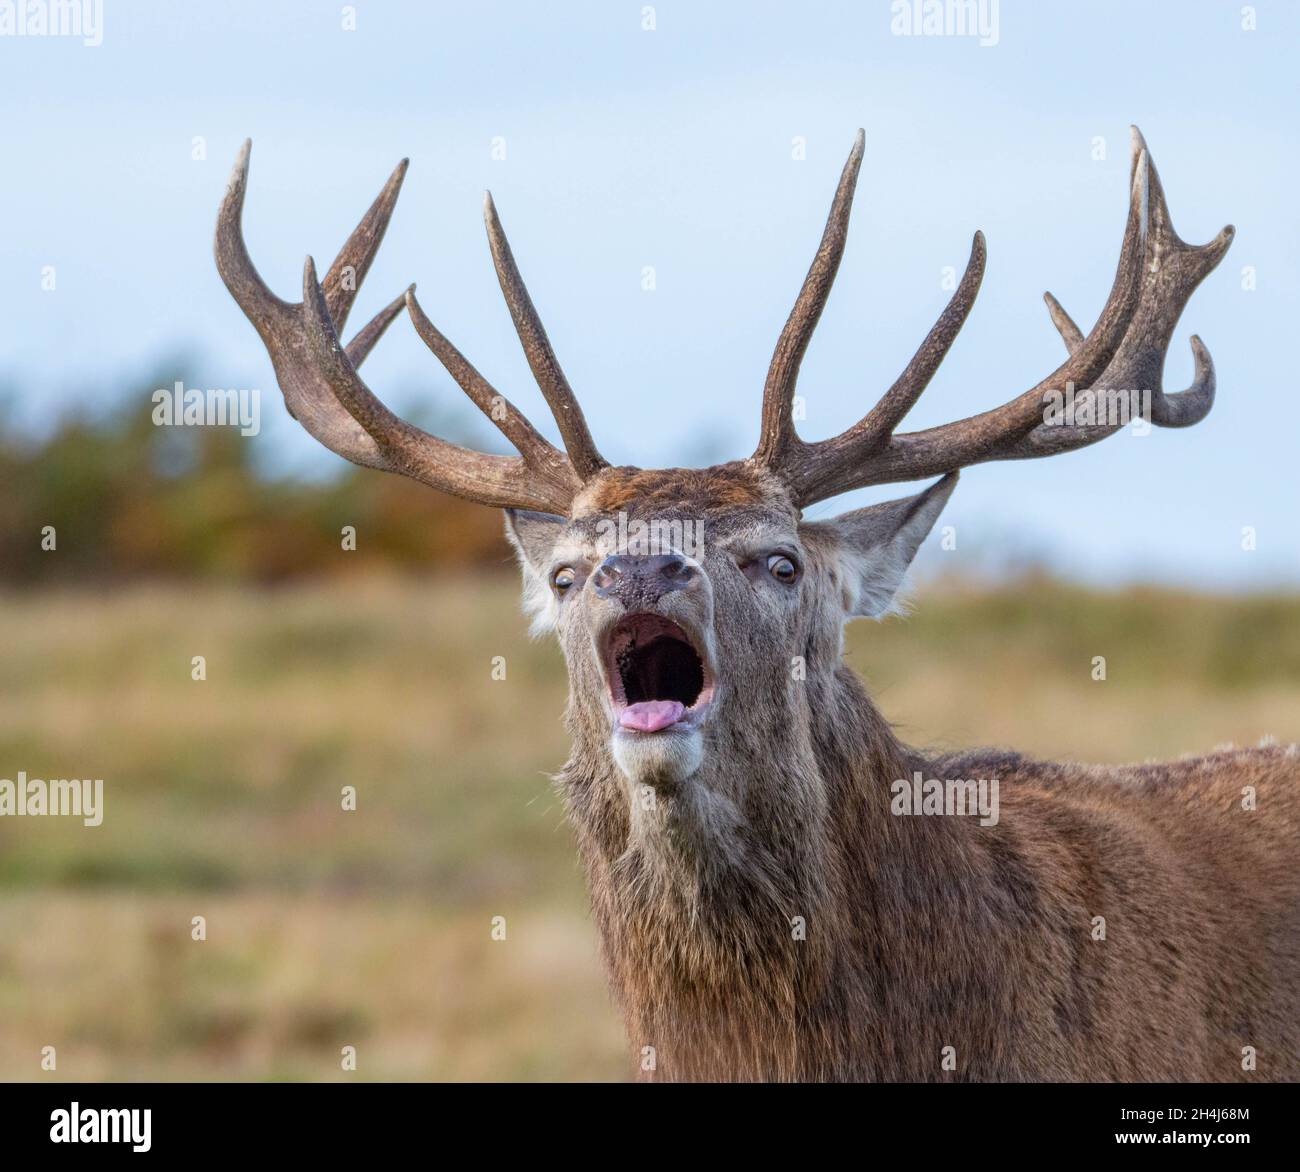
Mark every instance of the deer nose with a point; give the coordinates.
(639, 582)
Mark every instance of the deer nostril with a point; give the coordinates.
(606, 575)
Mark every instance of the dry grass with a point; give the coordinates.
(373, 928)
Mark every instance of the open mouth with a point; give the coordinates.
(657, 677)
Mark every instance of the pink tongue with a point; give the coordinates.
(652, 715)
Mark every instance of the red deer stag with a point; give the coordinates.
(764, 911)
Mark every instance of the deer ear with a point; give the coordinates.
(874, 546)
(534, 536)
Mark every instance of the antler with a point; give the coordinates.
(1124, 351)
(324, 392)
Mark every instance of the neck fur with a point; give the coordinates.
(736, 927)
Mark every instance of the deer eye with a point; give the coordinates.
(782, 568)
(563, 578)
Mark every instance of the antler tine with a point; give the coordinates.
(343, 281)
(833, 466)
(1155, 276)
(324, 392)
(233, 262)
(1070, 333)
(504, 481)
(886, 415)
(509, 420)
(777, 435)
(583, 455)
(373, 330)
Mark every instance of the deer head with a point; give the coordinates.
(710, 709)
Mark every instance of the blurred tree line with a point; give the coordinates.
(128, 500)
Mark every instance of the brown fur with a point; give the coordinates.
(919, 933)
(724, 486)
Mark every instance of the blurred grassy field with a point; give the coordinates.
(373, 928)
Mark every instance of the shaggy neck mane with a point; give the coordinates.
(735, 935)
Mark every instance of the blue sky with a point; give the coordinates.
(672, 148)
